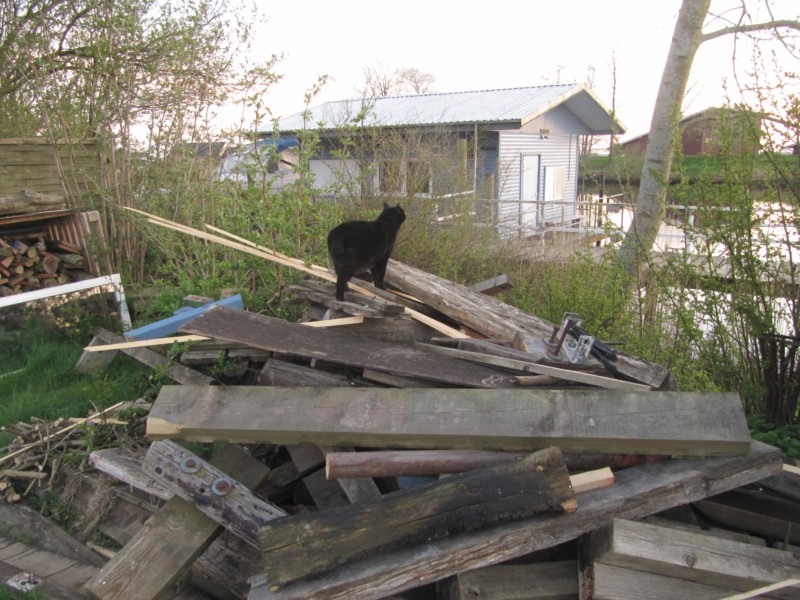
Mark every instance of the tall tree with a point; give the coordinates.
(651, 201)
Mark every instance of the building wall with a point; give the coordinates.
(554, 151)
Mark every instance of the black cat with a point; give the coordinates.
(359, 246)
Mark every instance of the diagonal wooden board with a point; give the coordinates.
(170, 541)
(586, 421)
(266, 333)
(531, 367)
(495, 319)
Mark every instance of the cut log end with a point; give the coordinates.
(570, 505)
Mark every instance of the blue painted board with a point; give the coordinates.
(170, 325)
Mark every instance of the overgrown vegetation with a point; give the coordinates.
(144, 79)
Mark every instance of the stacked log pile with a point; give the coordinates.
(39, 263)
(42, 243)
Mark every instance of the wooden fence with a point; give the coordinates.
(69, 169)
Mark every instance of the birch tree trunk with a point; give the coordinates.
(651, 202)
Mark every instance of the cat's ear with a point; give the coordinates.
(386, 205)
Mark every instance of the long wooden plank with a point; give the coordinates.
(638, 492)
(267, 333)
(577, 421)
(495, 319)
(180, 339)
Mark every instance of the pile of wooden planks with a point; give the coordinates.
(373, 454)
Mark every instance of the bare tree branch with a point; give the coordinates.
(769, 25)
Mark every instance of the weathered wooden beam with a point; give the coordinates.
(310, 543)
(276, 335)
(120, 464)
(638, 491)
(495, 319)
(577, 421)
(168, 543)
(686, 555)
(410, 463)
(282, 373)
(214, 493)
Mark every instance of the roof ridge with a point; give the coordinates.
(497, 89)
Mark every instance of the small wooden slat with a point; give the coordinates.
(310, 543)
(760, 513)
(178, 339)
(120, 464)
(509, 363)
(178, 372)
(335, 322)
(282, 373)
(584, 421)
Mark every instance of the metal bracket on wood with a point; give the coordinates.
(575, 351)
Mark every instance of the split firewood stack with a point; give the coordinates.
(39, 263)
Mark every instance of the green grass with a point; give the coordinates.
(6, 594)
(690, 166)
(40, 379)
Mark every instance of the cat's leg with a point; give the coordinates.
(341, 285)
(378, 271)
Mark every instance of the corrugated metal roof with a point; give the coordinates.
(513, 106)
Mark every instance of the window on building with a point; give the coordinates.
(390, 177)
(407, 177)
(418, 178)
(554, 183)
